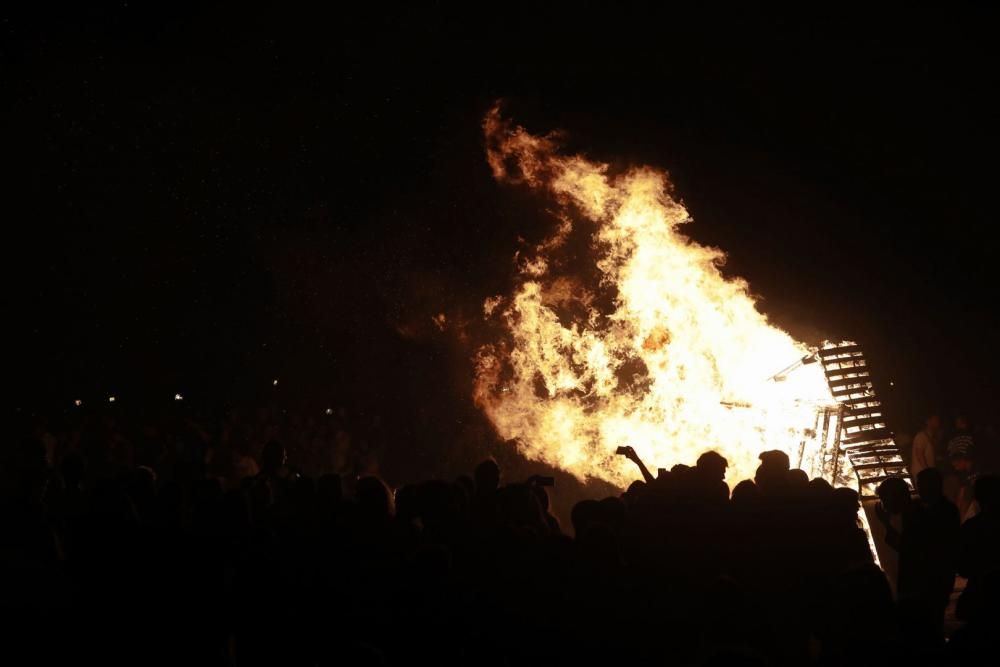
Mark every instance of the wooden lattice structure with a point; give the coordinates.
(864, 444)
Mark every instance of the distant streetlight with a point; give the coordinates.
(178, 397)
(111, 399)
(275, 383)
(329, 411)
(78, 402)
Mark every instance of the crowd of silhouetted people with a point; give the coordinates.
(176, 553)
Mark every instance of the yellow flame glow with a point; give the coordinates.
(678, 361)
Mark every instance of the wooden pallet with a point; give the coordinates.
(865, 439)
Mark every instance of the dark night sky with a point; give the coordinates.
(203, 199)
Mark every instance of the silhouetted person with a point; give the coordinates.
(468, 486)
(943, 525)
(487, 477)
(636, 493)
(746, 494)
(272, 459)
(243, 464)
(611, 512)
(484, 505)
(979, 552)
(797, 482)
(72, 468)
(329, 496)
(926, 573)
(170, 564)
(858, 622)
(924, 454)
(585, 513)
(375, 501)
(142, 490)
(961, 441)
(29, 549)
(772, 473)
(978, 641)
(711, 470)
(543, 501)
(958, 483)
(846, 541)
(894, 504)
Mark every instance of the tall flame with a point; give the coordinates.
(658, 350)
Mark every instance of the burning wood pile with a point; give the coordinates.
(621, 330)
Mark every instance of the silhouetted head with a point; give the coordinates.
(407, 503)
(987, 493)
(797, 479)
(635, 492)
(468, 485)
(930, 484)
(820, 489)
(273, 457)
(844, 502)
(772, 473)
(683, 480)
(374, 498)
(894, 494)
(487, 477)
(461, 491)
(933, 423)
(542, 495)
(329, 491)
(712, 465)
(746, 494)
(519, 508)
(583, 515)
(776, 459)
(611, 511)
(142, 485)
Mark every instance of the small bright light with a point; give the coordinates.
(275, 383)
(329, 411)
(891, 383)
(178, 397)
(78, 402)
(111, 399)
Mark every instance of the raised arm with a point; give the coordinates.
(630, 454)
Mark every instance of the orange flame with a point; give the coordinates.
(678, 360)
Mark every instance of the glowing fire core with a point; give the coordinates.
(651, 346)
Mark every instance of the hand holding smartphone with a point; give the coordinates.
(626, 451)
